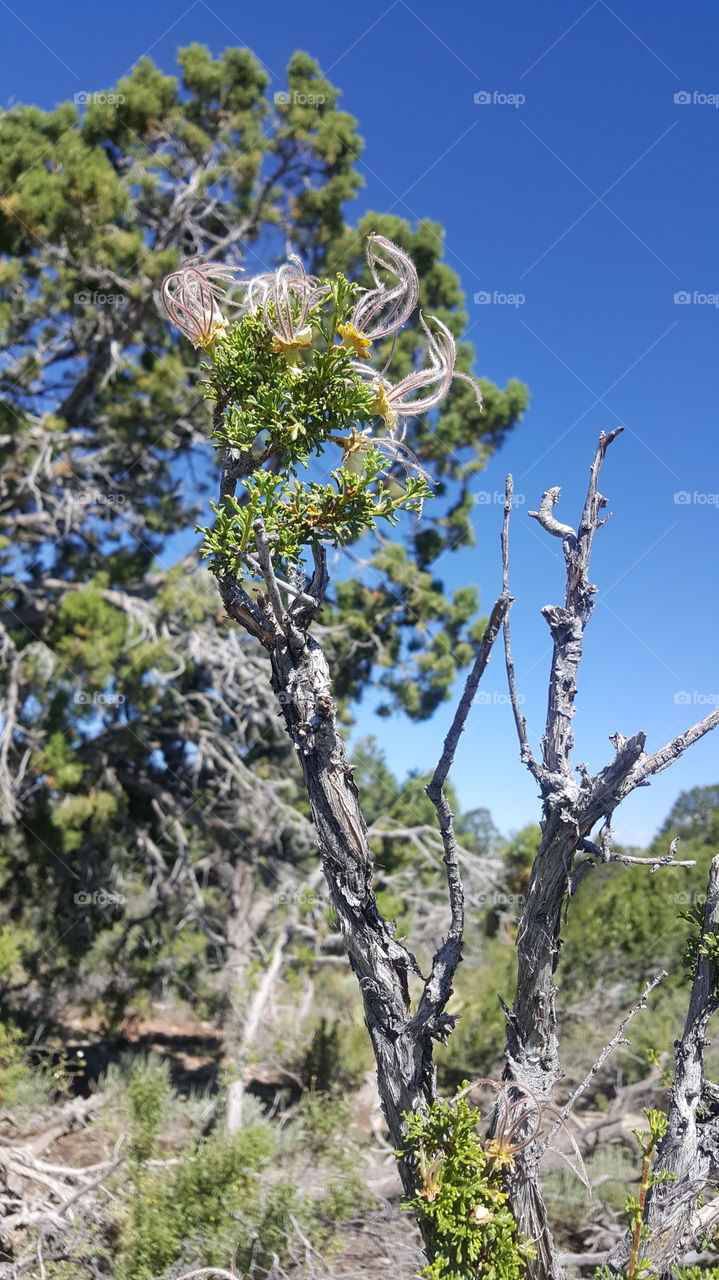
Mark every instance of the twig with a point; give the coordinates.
(435, 788)
(526, 753)
(605, 853)
(438, 987)
(268, 573)
(608, 1048)
(291, 590)
(465, 703)
(303, 609)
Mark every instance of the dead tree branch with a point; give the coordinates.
(617, 1039)
(573, 802)
(526, 753)
(447, 958)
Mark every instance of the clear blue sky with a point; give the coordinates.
(596, 200)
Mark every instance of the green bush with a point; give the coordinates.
(460, 1198)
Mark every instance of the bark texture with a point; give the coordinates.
(573, 803)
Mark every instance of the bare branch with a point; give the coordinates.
(548, 501)
(616, 1039)
(496, 619)
(438, 987)
(303, 609)
(604, 853)
(647, 766)
(526, 753)
(268, 573)
(567, 623)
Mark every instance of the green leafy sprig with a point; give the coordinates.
(274, 413)
(460, 1197)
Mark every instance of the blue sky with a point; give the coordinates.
(592, 197)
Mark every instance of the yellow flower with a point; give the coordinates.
(355, 341)
(382, 407)
(502, 1155)
(291, 346)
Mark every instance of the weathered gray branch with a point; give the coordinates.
(532, 1047)
(438, 988)
(573, 803)
(526, 753)
(617, 1039)
(604, 853)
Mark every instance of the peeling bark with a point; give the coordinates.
(573, 802)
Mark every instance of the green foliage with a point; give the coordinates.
(12, 1062)
(700, 944)
(640, 1268)
(648, 931)
(214, 1203)
(647, 1141)
(148, 1094)
(460, 1197)
(296, 407)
